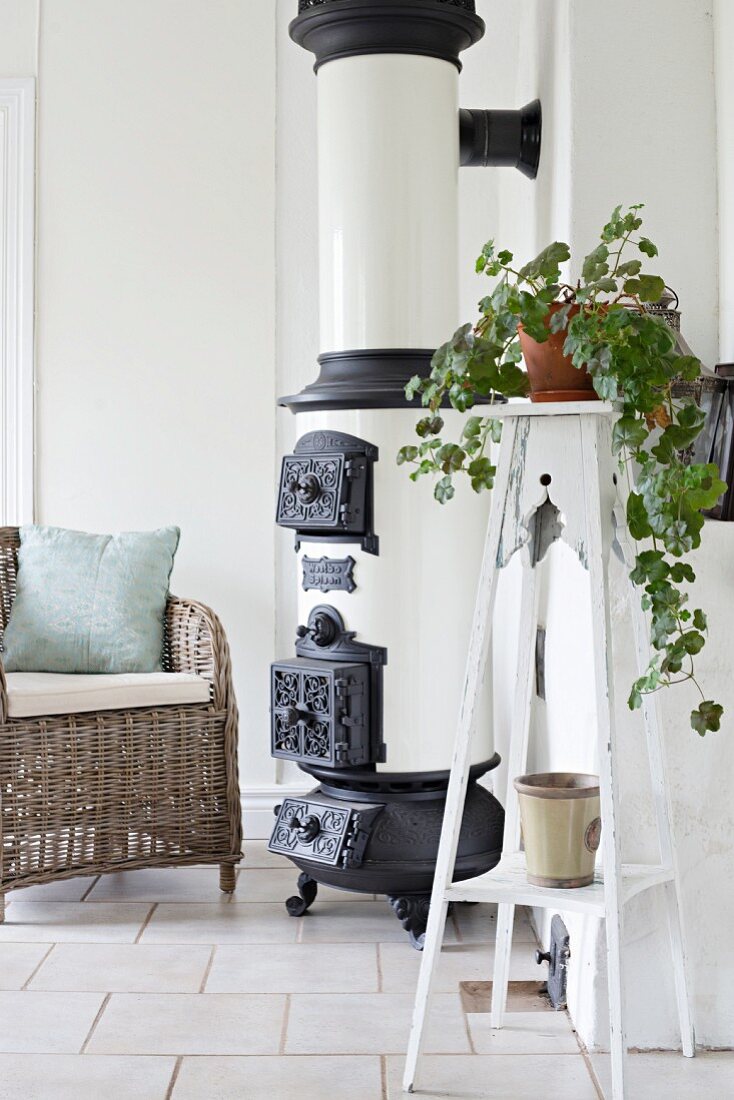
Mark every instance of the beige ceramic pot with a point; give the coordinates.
(561, 827)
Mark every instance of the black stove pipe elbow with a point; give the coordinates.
(501, 138)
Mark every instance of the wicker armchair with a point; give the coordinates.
(88, 793)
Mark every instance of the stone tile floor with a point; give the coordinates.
(152, 984)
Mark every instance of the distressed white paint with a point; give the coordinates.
(416, 598)
(17, 204)
(545, 447)
(388, 205)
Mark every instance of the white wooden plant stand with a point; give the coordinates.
(559, 453)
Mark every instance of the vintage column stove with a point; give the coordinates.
(367, 705)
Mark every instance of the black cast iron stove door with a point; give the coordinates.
(324, 834)
(326, 488)
(321, 712)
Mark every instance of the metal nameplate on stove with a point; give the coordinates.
(312, 830)
(328, 574)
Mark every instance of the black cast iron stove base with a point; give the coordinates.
(398, 856)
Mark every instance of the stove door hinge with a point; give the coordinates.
(354, 468)
(348, 687)
(342, 752)
(351, 722)
(360, 828)
(345, 514)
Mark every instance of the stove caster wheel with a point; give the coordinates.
(307, 888)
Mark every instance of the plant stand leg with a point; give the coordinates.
(502, 955)
(307, 889)
(227, 878)
(599, 494)
(459, 779)
(516, 765)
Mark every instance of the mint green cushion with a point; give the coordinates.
(89, 603)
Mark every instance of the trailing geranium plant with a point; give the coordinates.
(632, 360)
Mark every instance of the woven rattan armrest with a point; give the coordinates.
(194, 641)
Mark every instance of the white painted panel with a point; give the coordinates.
(388, 160)
(17, 197)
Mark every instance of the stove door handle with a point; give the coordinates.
(295, 716)
(307, 488)
(306, 830)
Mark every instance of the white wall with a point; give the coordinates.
(18, 37)
(156, 295)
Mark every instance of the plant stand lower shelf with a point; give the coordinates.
(556, 478)
(507, 884)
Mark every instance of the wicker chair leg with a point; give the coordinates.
(227, 877)
(2, 908)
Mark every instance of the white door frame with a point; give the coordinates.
(17, 219)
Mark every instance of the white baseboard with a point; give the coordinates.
(258, 804)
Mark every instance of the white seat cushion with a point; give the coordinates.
(32, 694)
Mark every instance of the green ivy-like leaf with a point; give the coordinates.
(637, 518)
(413, 387)
(547, 263)
(707, 717)
(595, 264)
(648, 288)
(645, 245)
(444, 490)
(628, 432)
(450, 457)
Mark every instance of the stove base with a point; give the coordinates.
(411, 909)
(399, 857)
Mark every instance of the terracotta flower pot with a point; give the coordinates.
(552, 375)
(561, 827)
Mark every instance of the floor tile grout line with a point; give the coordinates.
(32, 975)
(174, 1077)
(208, 969)
(146, 922)
(95, 1021)
(592, 1074)
(284, 1028)
(379, 969)
(587, 1060)
(383, 1076)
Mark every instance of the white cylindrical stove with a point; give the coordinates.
(387, 577)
